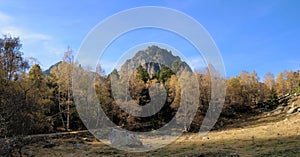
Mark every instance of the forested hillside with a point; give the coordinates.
(32, 102)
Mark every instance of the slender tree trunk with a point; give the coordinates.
(61, 117)
(69, 85)
(68, 106)
(60, 111)
(68, 117)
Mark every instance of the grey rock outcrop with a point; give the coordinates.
(292, 110)
(120, 138)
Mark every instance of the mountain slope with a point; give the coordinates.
(47, 72)
(152, 59)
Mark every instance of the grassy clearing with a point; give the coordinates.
(263, 136)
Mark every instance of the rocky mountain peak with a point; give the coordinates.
(152, 59)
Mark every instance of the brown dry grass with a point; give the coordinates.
(262, 136)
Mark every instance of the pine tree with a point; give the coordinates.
(273, 98)
(165, 74)
(143, 74)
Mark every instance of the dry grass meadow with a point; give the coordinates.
(258, 136)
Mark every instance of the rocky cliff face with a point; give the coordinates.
(152, 59)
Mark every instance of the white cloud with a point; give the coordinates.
(24, 34)
(35, 44)
(4, 18)
(8, 26)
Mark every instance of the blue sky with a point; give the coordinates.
(256, 35)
